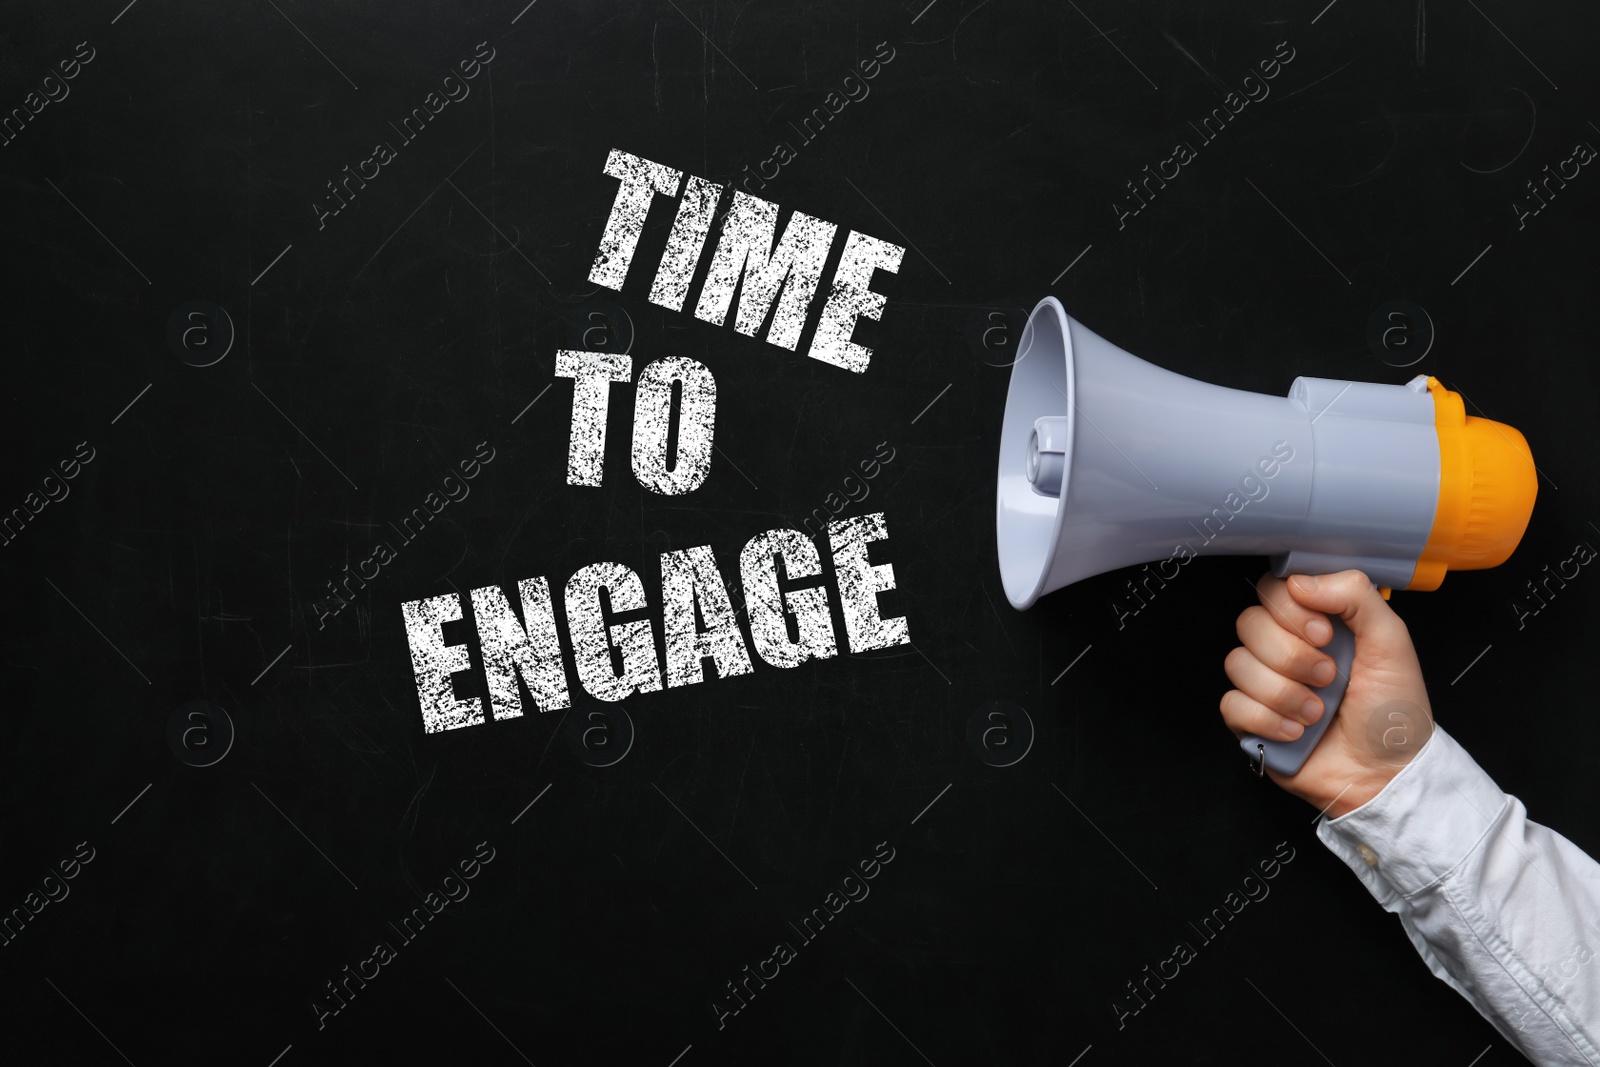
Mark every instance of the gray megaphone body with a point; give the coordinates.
(1107, 461)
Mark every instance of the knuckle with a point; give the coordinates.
(1287, 693)
(1306, 659)
(1260, 720)
(1288, 655)
(1284, 653)
(1286, 610)
(1240, 711)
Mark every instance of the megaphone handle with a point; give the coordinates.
(1287, 757)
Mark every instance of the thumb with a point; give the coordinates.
(1351, 596)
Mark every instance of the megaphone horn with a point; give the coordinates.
(1107, 461)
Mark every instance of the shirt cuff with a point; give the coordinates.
(1422, 825)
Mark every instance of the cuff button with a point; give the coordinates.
(1367, 854)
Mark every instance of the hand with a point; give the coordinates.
(1384, 718)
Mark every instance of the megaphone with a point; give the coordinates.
(1107, 461)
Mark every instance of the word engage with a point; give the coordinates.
(1183, 153)
(745, 260)
(383, 953)
(783, 953)
(615, 659)
(1582, 153)
(33, 903)
(34, 503)
(34, 102)
(383, 153)
(1183, 953)
(1582, 555)
(832, 105)
(1253, 489)
(383, 554)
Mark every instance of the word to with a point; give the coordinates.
(615, 659)
(746, 260)
(592, 374)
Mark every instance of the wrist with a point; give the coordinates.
(1356, 793)
(1392, 737)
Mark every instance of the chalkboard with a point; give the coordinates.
(287, 282)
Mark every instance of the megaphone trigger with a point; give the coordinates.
(1287, 757)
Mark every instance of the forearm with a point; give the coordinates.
(1504, 910)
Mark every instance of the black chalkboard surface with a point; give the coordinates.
(286, 287)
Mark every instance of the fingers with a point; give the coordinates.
(1302, 620)
(1284, 696)
(1281, 650)
(1350, 595)
(1246, 716)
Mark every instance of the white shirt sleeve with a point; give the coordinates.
(1505, 911)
